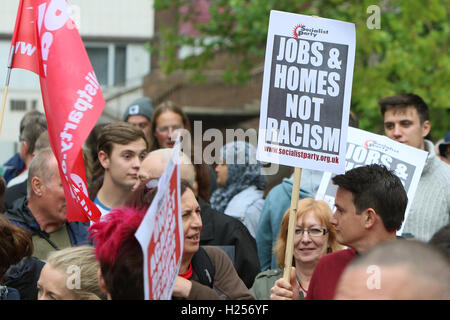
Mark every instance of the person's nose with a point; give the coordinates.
(333, 220)
(397, 132)
(306, 237)
(197, 222)
(137, 162)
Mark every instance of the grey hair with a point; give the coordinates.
(39, 167)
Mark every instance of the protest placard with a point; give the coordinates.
(161, 234)
(306, 92)
(364, 148)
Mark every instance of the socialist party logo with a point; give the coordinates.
(303, 30)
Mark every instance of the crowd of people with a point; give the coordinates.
(235, 224)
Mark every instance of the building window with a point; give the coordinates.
(109, 63)
(99, 61)
(18, 105)
(120, 63)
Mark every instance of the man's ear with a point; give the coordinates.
(103, 158)
(101, 283)
(23, 149)
(426, 127)
(370, 217)
(36, 186)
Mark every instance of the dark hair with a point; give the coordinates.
(32, 116)
(353, 120)
(34, 126)
(121, 133)
(405, 100)
(441, 240)
(376, 187)
(161, 108)
(202, 177)
(15, 244)
(91, 145)
(118, 133)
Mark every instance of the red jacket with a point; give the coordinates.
(326, 274)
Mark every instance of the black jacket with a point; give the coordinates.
(24, 277)
(13, 193)
(220, 229)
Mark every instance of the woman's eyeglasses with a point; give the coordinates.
(312, 232)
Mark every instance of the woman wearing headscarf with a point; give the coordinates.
(241, 186)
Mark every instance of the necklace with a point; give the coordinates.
(301, 287)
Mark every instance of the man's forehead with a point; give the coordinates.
(134, 146)
(343, 194)
(153, 165)
(407, 112)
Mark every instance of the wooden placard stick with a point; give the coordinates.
(292, 223)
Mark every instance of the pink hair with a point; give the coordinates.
(112, 230)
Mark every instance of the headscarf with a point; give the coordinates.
(243, 172)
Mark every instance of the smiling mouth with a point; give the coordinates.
(307, 249)
(195, 237)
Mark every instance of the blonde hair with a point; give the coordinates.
(82, 257)
(322, 211)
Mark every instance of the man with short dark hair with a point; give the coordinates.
(370, 207)
(121, 149)
(406, 120)
(33, 126)
(20, 190)
(15, 165)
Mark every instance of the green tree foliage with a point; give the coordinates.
(408, 53)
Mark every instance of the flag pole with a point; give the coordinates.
(5, 91)
(10, 61)
(292, 224)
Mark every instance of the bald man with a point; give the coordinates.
(154, 164)
(218, 229)
(397, 270)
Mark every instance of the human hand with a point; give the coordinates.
(182, 287)
(284, 290)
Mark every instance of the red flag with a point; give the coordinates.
(24, 39)
(72, 97)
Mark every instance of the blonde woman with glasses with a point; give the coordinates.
(314, 237)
